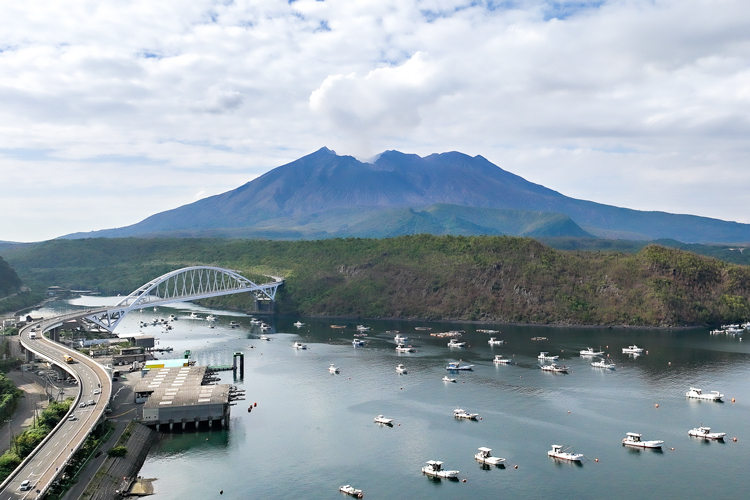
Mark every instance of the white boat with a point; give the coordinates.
(264, 327)
(457, 366)
(696, 393)
(435, 469)
(494, 341)
(456, 343)
(603, 363)
(333, 369)
(485, 457)
(543, 356)
(633, 349)
(299, 345)
(634, 439)
(358, 342)
(404, 348)
(591, 352)
(263, 337)
(351, 490)
(299, 324)
(555, 368)
(233, 324)
(362, 328)
(172, 317)
(401, 369)
(210, 317)
(211, 326)
(254, 321)
(461, 413)
(194, 316)
(448, 379)
(400, 339)
(558, 452)
(705, 433)
(499, 359)
(380, 419)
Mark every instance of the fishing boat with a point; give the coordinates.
(299, 324)
(558, 452)
(603, 363)
(456, 343)
(705, 433)
(435, 469)
(457, 366)
(210, 325)
(634, 439)
(380, 419)
(461, 413)
(591, 352)
(351, 490)
(555, 368)
(404, 348)
(263, 337)
(485, 456)
(400, 338)
(423, 328)
(488, 331)
(632, 349)
(543, 356)
(358, 342)
(362, 328)
(494, 341)
(233, 324)
(210, 317)
(172, 317)
(299, 345)
(401, 369)
(264, 327)
(333, 369)
(538, 338)
(194, 316)
(448, 379)
(339, 327)
(695, 393)
(500, 360)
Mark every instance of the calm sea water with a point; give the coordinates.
(312, 431)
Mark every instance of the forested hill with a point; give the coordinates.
(10, 283)
(503, 279)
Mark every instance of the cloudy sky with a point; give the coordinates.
(111, 111)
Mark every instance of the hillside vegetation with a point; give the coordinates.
(503, 279)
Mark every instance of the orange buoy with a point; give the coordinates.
(734, 439)
(515, 467)
(255, 404)
(670, 363)
(596, 459)
(464, 480)
(568, 412)
(672, 449)
(732, 400)
(656, 405)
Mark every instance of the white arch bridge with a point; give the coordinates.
(184, 285)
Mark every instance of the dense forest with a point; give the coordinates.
(498, 279)
(10, 283)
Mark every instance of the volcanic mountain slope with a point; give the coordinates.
(326, 195)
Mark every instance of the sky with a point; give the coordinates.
(111, 111)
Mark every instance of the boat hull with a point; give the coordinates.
(489, 460)
(643, 444)
(444, 474)
(570, 457)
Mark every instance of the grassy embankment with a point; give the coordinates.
(497, 279)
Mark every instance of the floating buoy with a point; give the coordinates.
(732, 400)
(656, 405)
(734, 439)
(399, 425)
(670, 363)
(596, 460)
(480, 418)
(464, 480)
(402, 388)
(672, 449)
(515, 467)
(250, 409)
(255, 404)
(568, 412)
(221, 492)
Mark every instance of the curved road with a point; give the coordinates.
(42, 466)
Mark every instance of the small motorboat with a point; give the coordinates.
(456, 343)
(632, 349)
(351, 490)
(705, 433)
(172, 317)
(591, 352)
(299, 345)
(484, 456)
(233, 324)
(263, 337)
(461, 413)
(210, 317)
(194, 316)
(338, 327)
(400, 339)
(558, 452)
(494, 341)
(538, 338)
(362, 328)
(254, 321)
(695, 393)
(360, 335)
(380, 419)
(401, 369)
(404, 348)
(603, 363)
(555, 368)
(299, 324)
(333, 369)
(457, 366)
(264, 327)
(634, 439)
(448, 379)
(543, 356)
(500, 360)
(358, 342)
(435, 469)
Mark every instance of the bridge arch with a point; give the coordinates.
(184, 285)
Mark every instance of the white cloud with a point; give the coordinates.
(137, 106)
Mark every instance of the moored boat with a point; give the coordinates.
(555, 368)
(461, 413)
(263, 337)
(299, 324)
(233, 324)
(401, 369)
(589, 351)
(446, 378)
(333, 369)
(705, 433)
(400, 338)
(404, 348)
(558, 452)
(299, 345)
(634, 439)
(695, 393)
(456, 343)
(494, 341)
(632, 349)
(544, 356)
(358, 342)
(362, 328)
(380, 419)
(499, 359)
(484, 456)
(603, 363)
(457, 366)
(434, 468)
(351, 490)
